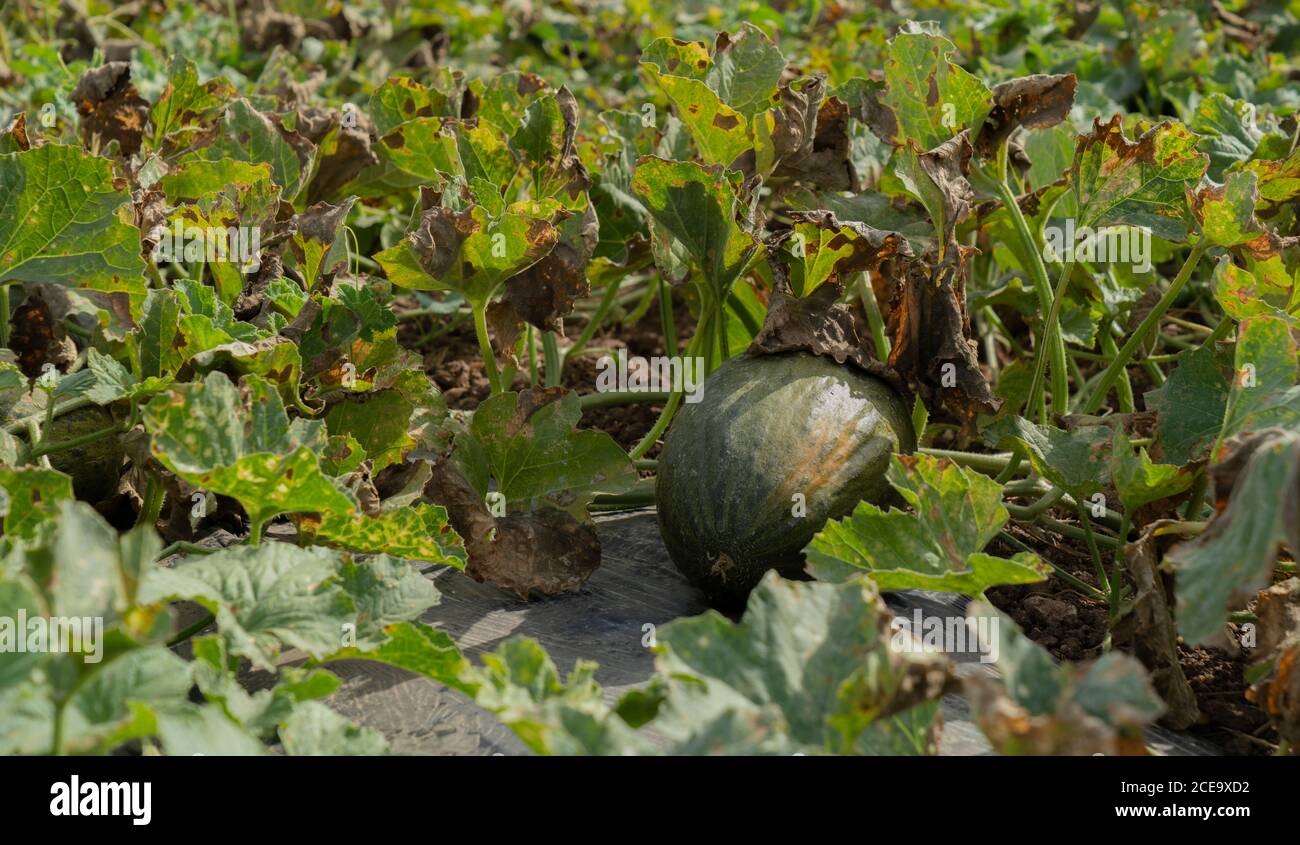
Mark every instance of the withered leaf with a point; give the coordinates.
(1277, 691)
(110, 107)
(1148, 631)
(546, 551)
(547, 290)
(931, 336)
(820, 325)
(1037, 101)
(811, 137)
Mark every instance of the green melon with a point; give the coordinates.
(94, 466)
(770, 427)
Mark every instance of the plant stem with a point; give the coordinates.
(1060, 380)
(532, 356)
(626, 397)
(1124, 389)
(49, 448)
(1093, 550)
(485, 349)
(1111, 374)
(988, 463)
(868, 296)
(191, 630)
(151, 507)
(1082, 586)
(4, 316)
(667, 323)
(1053, 343)
(701, 337)
(552, 365)
(606, 302)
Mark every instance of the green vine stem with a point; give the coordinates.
(666, 321)
(1082, 586)
(4, 316)
(1149, 322)
(485, 349)
(1052, 327)
(606, 302)
(552, 366)
(1124, 387)
(627, 397)
(44, 448)
(1052, 340)
(1093, 550)
(701, 337)
(872, 309)
(151, 507)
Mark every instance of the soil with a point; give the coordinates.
(1073, 627)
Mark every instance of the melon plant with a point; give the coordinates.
(778, 445)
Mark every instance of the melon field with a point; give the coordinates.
(615, 377)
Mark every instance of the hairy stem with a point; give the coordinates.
(1111, 374)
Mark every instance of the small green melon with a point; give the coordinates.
(778, 445)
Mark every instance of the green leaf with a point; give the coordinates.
(242, 447)
(1264, 392)
(929, 98)
(820, 249)
(419, 532)
(1136, 183)
(1191, 404)
(319, 242)
(1227, 564)
(187, 106)
(520, 684)
(421, 649)
(249, 135)
(32, 496)
(1227, 129)
(1140, 481)
(379, 421)
(1075, 461)
(1278, 179)
(1037, 706)
(314, 730)
(698, 207)
(263, 597)
(720, 132)
(809, 668)
(1266, 288)
(540, 458)
(401, 99)
(937, 547)
(63, 220)
(103, 712)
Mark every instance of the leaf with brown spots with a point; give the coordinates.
(819, 248)
(1038, 102)
(1136, 183)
